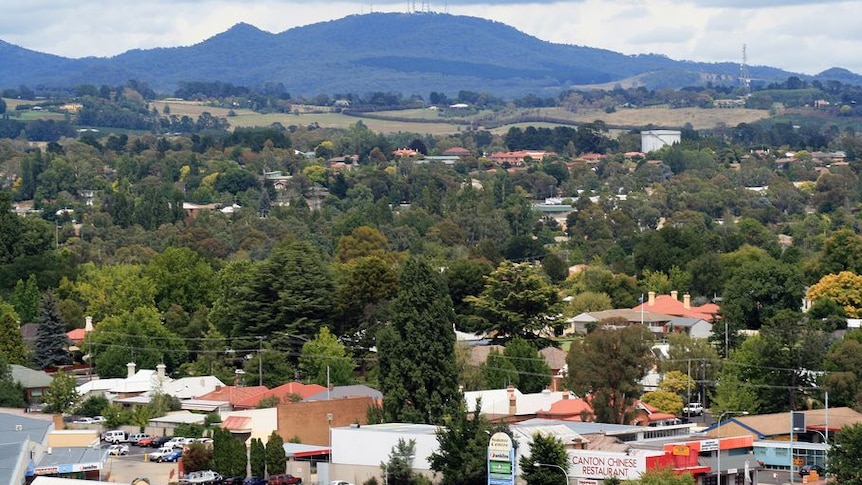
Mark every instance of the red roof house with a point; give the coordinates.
(233, 394)
(671, 305)
(284, 392)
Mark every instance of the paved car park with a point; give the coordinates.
(124, 469)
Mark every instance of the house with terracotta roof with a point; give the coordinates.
(232, 394)
(290, 392)
(516, 159)
(457, 152)
(671, 305)
(77, 336)
(251, 423)
(574, 409)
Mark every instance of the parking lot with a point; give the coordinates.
(124, 469)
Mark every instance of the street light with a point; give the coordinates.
(718, 463)
(558, 467)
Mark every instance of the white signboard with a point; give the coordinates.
(598, 465)
(709, 445)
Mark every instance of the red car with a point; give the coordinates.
(148, 441)
(284, 479)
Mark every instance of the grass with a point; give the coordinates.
(427, 121)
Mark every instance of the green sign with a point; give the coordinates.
(501, 467)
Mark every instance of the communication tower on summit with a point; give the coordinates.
(744, 77)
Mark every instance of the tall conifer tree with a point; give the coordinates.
(51, 341)
(416, 350)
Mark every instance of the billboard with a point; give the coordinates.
(501, 460)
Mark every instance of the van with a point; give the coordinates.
(115, 436)
(134, 438)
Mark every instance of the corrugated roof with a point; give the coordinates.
(29, 378)
(776, 424)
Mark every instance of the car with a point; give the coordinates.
(340, 482)
(176, 442)
(84, 420)
(172, 456)
(806, 470)
(98, 419)
(118, 450)
(158, 454)
(204, 440)
(115, 436)
(284, 479)
(203, 477)
(134, 438)
(159, 441)
(254, 481)
(232, 481)
(145, 442)
(693, 408)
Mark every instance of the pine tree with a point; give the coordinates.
(11, 341)
(416, 351)
(51, 341)
(276, 460)
(257, 457)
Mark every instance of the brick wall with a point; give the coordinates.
(309, 421)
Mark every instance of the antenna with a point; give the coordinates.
(744, 78)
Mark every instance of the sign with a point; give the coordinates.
(501, 460)
(709, 445)
(681, 450)
(598, 465)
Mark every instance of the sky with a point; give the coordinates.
(800, 36)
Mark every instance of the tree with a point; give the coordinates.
(363, 286)
(11, 393)
(844, 288)
(110, 289)
(399, 469)
(498, 372)
(25, 298)
(545, 450)
(134, 336)
(276, 460)
(51, 341)
(665, 476)
(665, 401)
(845, 456)
(290, 293)
(416, 351)
(12, 345)
(843, 364)
(276, 368)
(197, 456)
(229, 455)
(533, 373)
(324, 361)
(257, 458)
(461, 456)
(181, 277)
(608, 365)
(61, 396)
(518, 300)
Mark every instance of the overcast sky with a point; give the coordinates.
(797, 35)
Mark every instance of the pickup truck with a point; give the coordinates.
(284, 479)
(693, 408)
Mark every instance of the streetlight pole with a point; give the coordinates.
(558, 467)
(718, 462)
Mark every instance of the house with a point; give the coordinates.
(516, 158)
(165, 425)
(693, 327)
(457, 152)
(574, 409)
(78, 335)
(339, 392)
(556, 360)
(622, 317)
(251, 423)
(134, 384)
(231, 394)
(671, 305)
(34, 382)
(292, 391)
(509, 405)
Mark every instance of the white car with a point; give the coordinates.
(84, 421)
(340, 482)
(118, 450)
(155, 455)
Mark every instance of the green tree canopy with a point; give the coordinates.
(547, 462)
(324, 361)
(416, 352)
(518, 300)
(181, 277)
(61, 396)
(607, 366)
(845, 456)
(51, 347)
(134, 336)
(461, 456)
(276, 460)
(11, 340)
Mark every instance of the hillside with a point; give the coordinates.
(387, 52)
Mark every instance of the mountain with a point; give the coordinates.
(414, 53)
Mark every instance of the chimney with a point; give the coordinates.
(686, 301)
(130, 367)
(651, 301)
(160, 370)
(88, 325)
(513, 401)
(673, 294)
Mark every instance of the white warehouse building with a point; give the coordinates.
(652, 140)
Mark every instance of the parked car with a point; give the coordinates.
(806, 470)
(115, 436)
(340, 482)
(204, 440)
(158, 454)
(145, 442)
(232, 481)
(284, 479)
(158, 441)
(118, 450)
(176, 442)
(84, 420)
(254, 481)
(134, 438)
(203, 477)
(693, 409)
(174, 455)
(98, 419)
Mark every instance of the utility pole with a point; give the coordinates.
(260, 361)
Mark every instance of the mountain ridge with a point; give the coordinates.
(413, 53)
